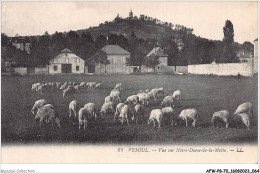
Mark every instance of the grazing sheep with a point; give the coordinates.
(116, 95)
(119, 87)
(125, 114)
(156, 116)
(107, 107)
(222, 115)
(91, 110)
(154, 94)
(76, 88)
(133, 99)
(189, 113)
(168, 114)
(91, 85)
(58, 85)
(161, 92)
(64, 86)
(82, 84)
(42, 88)
(147, 90)
(244, 117)
(83, 117)
(177, 95)
(244, 108)
(98, 85)
(35, 86)
(108, 99)
(168, 101)
(46, 113)
(144, 98)
(38, 104)
(138, 112)
(67, 91)
(118, 110)
(87, 84)
(73, 108)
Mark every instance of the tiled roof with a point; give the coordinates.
(158, 52)
(114, 50)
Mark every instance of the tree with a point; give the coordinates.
(151, 61)
(228, 53)
(86, 37)
(100, 41)
(101, 58)
(4, 39)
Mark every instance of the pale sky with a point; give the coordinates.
(206, 18)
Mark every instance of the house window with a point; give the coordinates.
(158, 67)
(55, 68)
(115, 60)
(123, 60)
(66, 54)
(77, 60)
(77, 68)
(67, 60)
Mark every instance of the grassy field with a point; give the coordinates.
(205, 93)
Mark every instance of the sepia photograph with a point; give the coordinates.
(129, 82)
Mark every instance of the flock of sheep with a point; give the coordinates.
(132, 109)
(67, 88)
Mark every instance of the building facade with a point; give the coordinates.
(117, 57)
(66, 62)
(255, 56)
(21, 43)
(163, 58)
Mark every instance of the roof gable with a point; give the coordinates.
(114, 50)
(158, 52)
(66, 50)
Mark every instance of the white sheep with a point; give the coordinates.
(38, 104)
(189, 113)
(161, 92)
(91, 110)
(91, 85)
(67, 91)
(168, 101)
(133, 99)
(156, 116)
(144, 98)
(83, 118)
(222, 115)
(147, 90)
(154, 94)
(125, 114)
(118, 110)
(98, 85)
(177, 95)
(82, 84)
(35, 86)
(168, 113)
(138, 112)
(73, 108)
(119, 87)
(116, 95)
(76, 88)
(244, 117)
(87, 84)
(46, 113)
(245, 108)
(107, 107)
(108, 99)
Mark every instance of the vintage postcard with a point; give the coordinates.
(129, 82)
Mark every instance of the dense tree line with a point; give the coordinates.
(196, 50)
